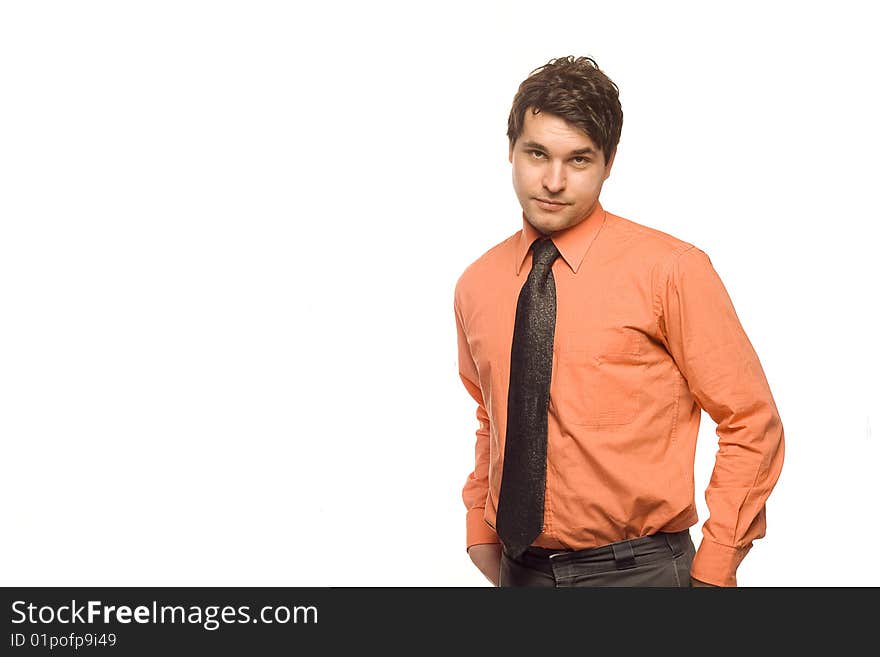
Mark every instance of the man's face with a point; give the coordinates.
(558, 172)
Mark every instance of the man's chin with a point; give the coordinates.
(546, 227)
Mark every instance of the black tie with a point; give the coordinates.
(520, 516)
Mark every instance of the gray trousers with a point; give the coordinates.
(662, 559)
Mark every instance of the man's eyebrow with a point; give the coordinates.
(587, 150)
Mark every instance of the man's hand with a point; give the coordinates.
(696, 582)
(487, 557)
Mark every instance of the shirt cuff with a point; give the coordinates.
(478, 530)
(716, 564)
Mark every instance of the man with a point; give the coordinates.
(590, 344)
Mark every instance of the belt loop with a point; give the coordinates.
(624, 556)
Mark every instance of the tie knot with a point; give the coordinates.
(544, 252)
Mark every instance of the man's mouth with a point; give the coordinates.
(547, 204)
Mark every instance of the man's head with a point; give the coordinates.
(563, 129)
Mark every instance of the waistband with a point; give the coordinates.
(623, 553)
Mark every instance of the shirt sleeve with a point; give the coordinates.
(713, 353)
(476, 488)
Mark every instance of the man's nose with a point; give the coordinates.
(554, 177)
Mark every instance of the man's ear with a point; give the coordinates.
(608, 165)
(510, 153)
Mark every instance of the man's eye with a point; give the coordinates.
(580, 160)
(536, 153)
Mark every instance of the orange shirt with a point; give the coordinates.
(646, 335)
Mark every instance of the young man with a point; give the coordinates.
(590, 344)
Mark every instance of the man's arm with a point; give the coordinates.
(710, 347)
(697, 583)
(487, 557)
(476, 488)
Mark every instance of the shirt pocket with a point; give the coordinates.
(599, 377)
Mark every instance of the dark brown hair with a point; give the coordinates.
(575, 90)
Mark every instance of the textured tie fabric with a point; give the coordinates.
(520, 516)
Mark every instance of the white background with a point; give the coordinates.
(230, 234)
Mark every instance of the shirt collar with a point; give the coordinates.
(572, 242)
